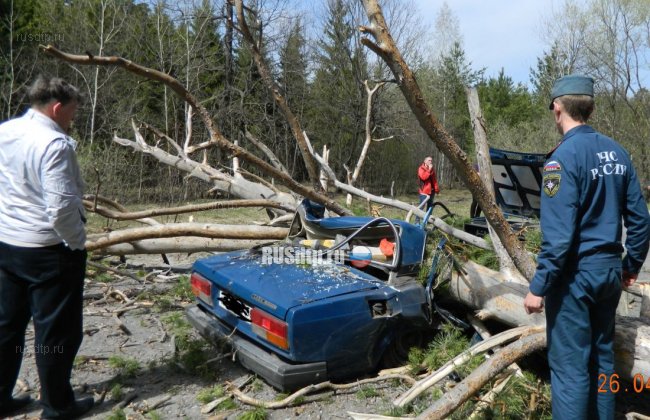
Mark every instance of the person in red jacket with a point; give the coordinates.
(428, 183)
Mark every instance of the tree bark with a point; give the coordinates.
(227, 204)
(185, 244)
(185, 229)
(506, 265)
(469, 386)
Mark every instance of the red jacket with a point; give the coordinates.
(428, 180)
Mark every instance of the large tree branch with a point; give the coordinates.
(473, 383)
(386, 48)
(506, 265)
(222, 181)
(183, 244)
(280, 100)
(216, 138)
(203, 230)
(227, 204)
(268, 152)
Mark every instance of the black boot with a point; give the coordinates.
(13, 405)
(73, 411)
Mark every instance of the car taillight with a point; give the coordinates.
(202, 288)
(270, 328)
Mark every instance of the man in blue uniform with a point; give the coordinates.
(590, 189)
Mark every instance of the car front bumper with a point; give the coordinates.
(277, 372)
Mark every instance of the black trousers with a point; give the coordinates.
(45, 284)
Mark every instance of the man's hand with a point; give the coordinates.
(628, 279)
(533, 304)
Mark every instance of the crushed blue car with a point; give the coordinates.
(296, 322)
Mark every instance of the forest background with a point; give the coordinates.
(321, 66)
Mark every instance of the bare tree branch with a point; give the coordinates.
(385, 47)
(268, 152)
(216, 138)
(506, 265)
(228, 204)
(444, 227)
(280, 100)
(473, 383)
(203, 230)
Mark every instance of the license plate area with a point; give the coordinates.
(234, 305)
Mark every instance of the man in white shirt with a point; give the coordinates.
(42, 251)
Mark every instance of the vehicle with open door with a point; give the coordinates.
(355, 307)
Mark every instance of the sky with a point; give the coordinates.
(497, 33)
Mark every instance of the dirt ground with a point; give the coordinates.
(132, 358)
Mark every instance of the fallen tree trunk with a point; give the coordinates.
(488, 291)
(224, 204)
(496, 296)
(480, 347)
(454, 398)
(204, 230)
(383, 44)
(186, 244)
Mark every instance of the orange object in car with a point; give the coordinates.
(387, 247)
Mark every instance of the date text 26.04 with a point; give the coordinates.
(610, 383)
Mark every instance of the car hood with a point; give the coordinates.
(276, 288)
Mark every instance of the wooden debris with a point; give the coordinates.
(481, 347)
(469, 386)
(288, 401)
(213, 404)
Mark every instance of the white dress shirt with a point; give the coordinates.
(40, 184)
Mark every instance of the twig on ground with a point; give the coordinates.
(115, 271)
(291, 399)
(120, 324)
(213, 404)
(363, 416)
(145, 406)
(164, 334)
(127, 400)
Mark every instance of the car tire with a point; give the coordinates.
(397, 353)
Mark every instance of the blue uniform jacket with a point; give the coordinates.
(589, 189)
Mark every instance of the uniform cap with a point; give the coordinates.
(573, 84)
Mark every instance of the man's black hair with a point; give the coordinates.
(46, 89)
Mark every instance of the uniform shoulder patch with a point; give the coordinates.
(551, 183)
(552, 166)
